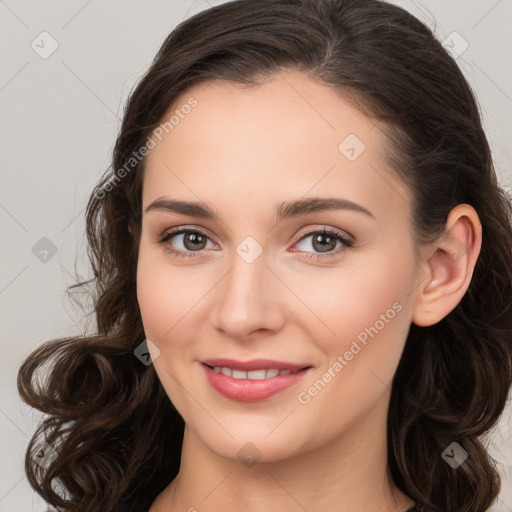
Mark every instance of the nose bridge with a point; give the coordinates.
(248, 296)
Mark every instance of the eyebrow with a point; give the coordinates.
(283, 210)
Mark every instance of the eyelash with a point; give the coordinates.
(346, 243)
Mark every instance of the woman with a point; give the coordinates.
(303, 264)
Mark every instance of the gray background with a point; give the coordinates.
(59, 119)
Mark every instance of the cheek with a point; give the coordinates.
(365, 315)
(164, 303)
(347, 303)
(169, 296)
(159, 304)
(152, 301)
(370, 321)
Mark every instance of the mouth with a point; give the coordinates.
(252, 380)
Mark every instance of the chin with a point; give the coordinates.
(250, 446)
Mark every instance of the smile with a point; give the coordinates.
(252, 385)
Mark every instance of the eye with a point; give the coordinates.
(194, 241)
(325, 242)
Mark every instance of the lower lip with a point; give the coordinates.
(251, 390)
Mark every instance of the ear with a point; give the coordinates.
(447, 266)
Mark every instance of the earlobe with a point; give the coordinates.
(449, 267)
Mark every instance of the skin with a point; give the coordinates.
(242, 151)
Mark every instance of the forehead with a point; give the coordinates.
(286, 138)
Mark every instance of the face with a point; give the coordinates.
(260, 280)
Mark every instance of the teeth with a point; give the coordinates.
(256, 374)
(253, 374)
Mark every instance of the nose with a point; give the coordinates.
(249, 299)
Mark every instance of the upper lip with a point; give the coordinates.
(254, 364)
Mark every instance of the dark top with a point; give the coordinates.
(414, 508)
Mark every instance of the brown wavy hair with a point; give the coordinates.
(116, 434)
